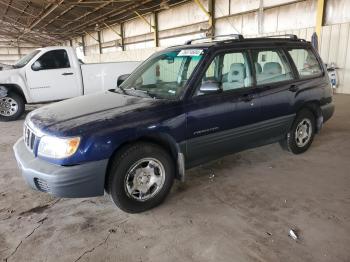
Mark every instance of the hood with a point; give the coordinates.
(84, 112)
(5, 75)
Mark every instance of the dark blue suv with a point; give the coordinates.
(182, 107)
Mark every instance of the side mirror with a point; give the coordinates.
(121, 79)
(210, 88)
(36, 66)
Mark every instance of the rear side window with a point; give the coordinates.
(271, 66)
(305, 62)
(55, 59)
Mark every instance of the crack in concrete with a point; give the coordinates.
(39, 209)
(40, 223)
(93, 249)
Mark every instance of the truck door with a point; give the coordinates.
(222, 122)
(51, 77)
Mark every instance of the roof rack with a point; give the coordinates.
(291, 36)
(234, 36)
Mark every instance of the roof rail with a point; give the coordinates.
(234, 36)
(291, 36)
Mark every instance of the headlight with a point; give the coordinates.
(55, 147)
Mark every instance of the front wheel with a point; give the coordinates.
(140, 177)
(301, 134)
(11, 107)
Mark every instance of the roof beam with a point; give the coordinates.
(110, 14)
(61, 14)
(87, 13)
(45, 14)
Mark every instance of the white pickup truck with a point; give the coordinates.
(52, 74)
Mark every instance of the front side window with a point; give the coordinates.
(54, 59)
(230, 71)
(271, 66)
(305, 62)
(164, 75)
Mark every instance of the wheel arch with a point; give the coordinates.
(15, 88)
(160, 139)
(315, 108)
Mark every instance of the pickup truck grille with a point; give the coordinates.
(29, 138)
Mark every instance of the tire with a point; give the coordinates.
(11, 107)
(305, 122)
(133, 174)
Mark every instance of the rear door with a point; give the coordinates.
(277, 88)
(51, 77)
(221, 123)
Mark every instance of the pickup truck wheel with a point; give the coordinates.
(141, 177)
(11, 107)
(301, 134)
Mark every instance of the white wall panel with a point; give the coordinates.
(229, 25)
(137, 27)
(250, 24)
(239, 6)
(11, 54)
(110, 35)
(270, 21)
(180, 40)
(337, 11)
(222, 8)
(185, 14)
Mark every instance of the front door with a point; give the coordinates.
(51, 77)
(219, 123)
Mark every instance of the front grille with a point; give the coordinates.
(41, 184)
(29, 138)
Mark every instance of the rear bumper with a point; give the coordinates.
(327, 111)
(85, 180)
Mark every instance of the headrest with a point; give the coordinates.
(272, 68)
(258, 68)
(237, 72)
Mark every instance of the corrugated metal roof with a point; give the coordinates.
(52, 21)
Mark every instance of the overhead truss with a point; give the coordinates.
(50, 22)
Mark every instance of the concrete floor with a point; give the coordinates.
(239, 208)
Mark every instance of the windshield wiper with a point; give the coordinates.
(140, 91)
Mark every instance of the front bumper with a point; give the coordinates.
(85, 180)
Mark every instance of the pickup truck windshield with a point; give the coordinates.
(164, 75)
(25, 60)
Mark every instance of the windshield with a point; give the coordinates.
(164, 75)
(24, 60)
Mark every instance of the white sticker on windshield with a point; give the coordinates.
(190, 52)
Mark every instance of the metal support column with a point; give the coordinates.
(319, 17)
(211, 11)
(83, 44)
(155, 29)
(99, 41)
(210, 14)
(122, 36)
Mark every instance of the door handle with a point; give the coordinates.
(67, 74)
(293, 88)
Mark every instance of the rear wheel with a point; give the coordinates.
(140, 177)
(11, 107)
(301, 134)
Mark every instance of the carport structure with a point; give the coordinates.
(51, 22)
